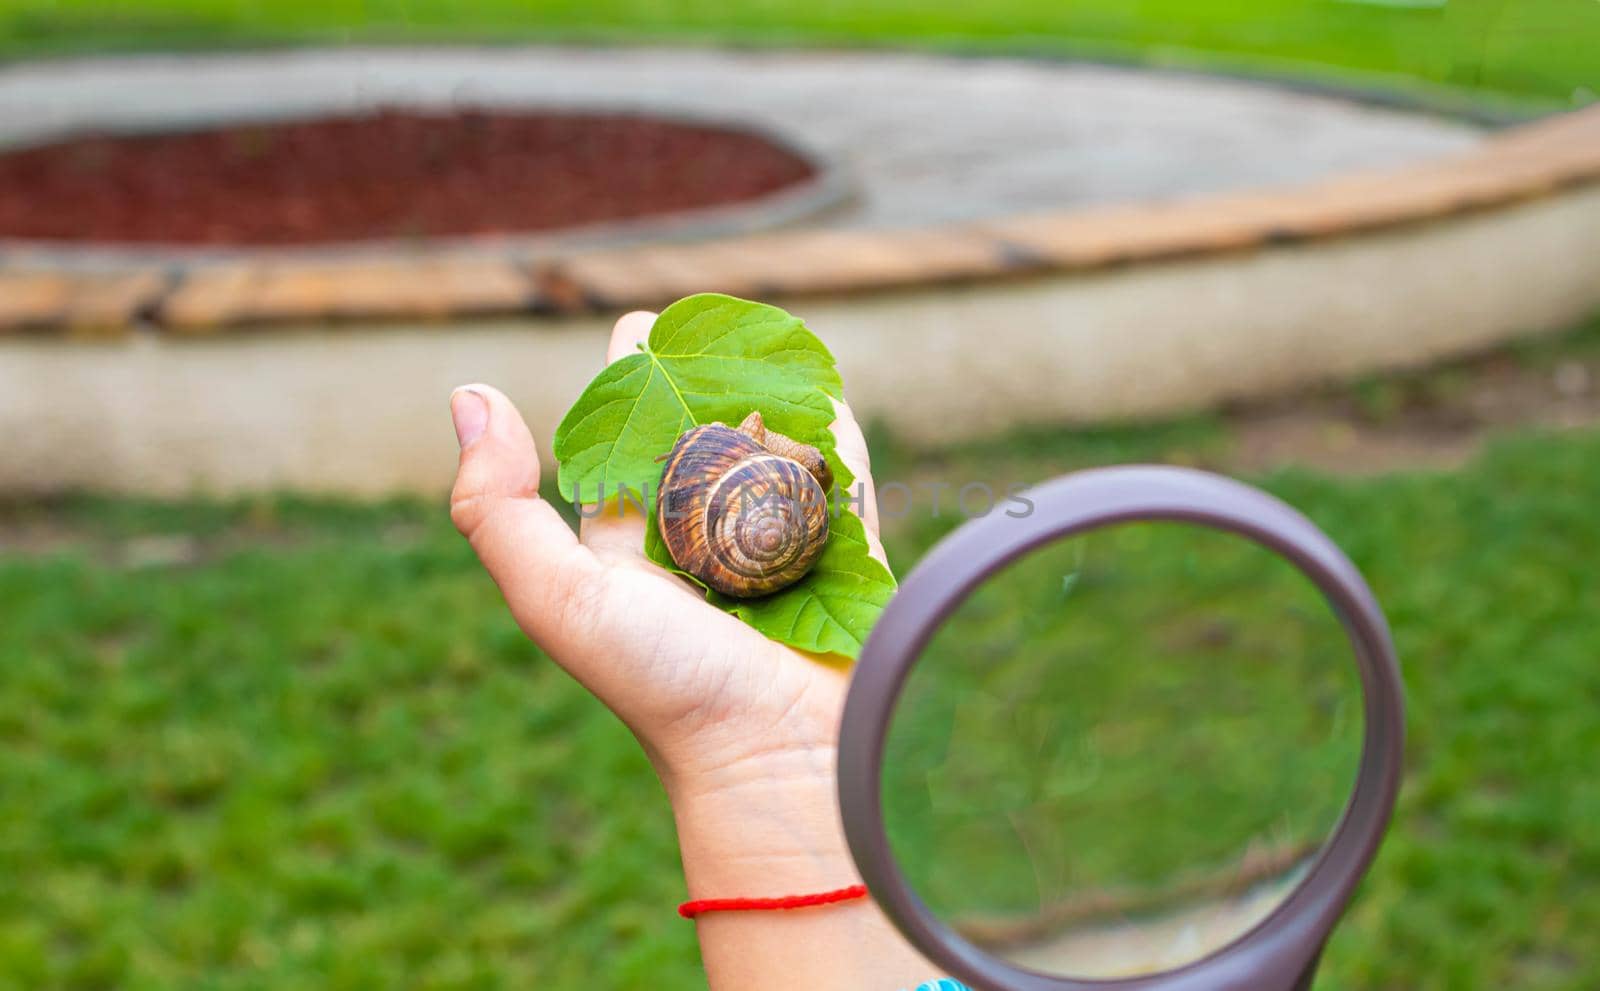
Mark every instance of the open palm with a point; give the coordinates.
(700, 689)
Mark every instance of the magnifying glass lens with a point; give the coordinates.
(1123, 751)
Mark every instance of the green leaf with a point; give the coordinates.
(708, 358)
(715, 358)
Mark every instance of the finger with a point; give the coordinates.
(851, 446)
(529, 551)
(631, 330)
(616, 531)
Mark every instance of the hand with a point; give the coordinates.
(741, 730)
(704, 693)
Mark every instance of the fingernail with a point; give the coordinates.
(470, 410)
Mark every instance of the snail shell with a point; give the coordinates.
(743, 510)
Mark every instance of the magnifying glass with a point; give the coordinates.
(1147, 733)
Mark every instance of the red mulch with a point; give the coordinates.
(392, 174)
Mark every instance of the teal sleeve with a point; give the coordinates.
(942, 984)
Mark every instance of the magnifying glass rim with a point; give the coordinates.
(1280, 951)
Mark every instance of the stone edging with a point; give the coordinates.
(1526, 162)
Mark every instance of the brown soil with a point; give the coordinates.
(393, 174)
(1438, 419)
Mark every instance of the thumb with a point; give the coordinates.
(528, 549)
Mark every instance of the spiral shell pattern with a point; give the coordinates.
(743, 520)
(765, 519)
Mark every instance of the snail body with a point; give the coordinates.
(744, 509)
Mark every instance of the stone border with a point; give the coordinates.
(360, 410)
(1519, 164)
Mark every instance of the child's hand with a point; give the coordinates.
(741, 730)
(708, 697)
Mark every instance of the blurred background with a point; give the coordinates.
(1529, 48)
(265, 724)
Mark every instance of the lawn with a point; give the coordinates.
(1538, 49)
(278, 743)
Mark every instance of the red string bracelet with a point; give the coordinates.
(699, 906)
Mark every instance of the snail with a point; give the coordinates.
(744, 509)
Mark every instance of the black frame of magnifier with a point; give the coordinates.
(1280, 953)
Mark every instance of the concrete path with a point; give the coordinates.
(926, 139)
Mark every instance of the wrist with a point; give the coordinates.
(768, 826)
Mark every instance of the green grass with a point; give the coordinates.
(1541, 49)
(319, 754)
(323, 759)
